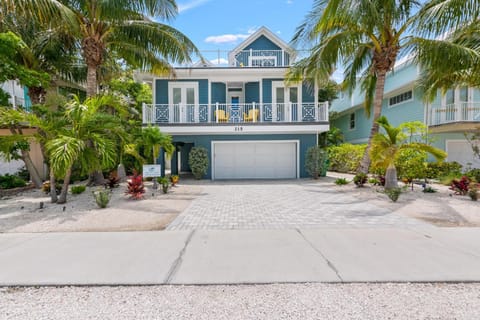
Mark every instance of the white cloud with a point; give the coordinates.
(289, 1)
(219, 61)
(226, 38)
(190, 5)
(230, 38)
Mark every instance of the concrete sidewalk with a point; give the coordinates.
(241, 256)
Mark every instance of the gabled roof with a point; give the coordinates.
(263, 31)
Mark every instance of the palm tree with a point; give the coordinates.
(367, 37)
(118, 27)
(89, 137)
(387, 147)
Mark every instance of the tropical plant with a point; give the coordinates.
(89, 138)
(113, 180)
(119, 28)
(316, 162)
(152, 140)
(393, 193)
(174, 179)
(102, 198)
(473, 191)
(9, 181)
(387, 147)
(164, 181)
(78, 189)
(360, 179)
(461, 186)
(341, 181)
(368, 36)
(135, 187)
(198, 161)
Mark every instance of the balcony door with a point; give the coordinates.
(286, 102)
(456, 102)
(183, 102)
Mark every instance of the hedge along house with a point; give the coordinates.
(253, 124)
(448, 117)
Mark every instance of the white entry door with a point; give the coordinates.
(255, 160)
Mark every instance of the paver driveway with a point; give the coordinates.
(282, 205)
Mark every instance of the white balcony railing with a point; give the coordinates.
(220, 113)
(456, 112)
(262, 58)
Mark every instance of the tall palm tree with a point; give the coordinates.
(387, 147)
(117, 27)
(89, 136)
(367, 37)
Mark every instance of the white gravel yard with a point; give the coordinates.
(277, 301)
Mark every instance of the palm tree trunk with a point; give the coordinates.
(377, 111)
(63, 194)
(34, 175)
(91, 80)
(53, 189)
(391, 180)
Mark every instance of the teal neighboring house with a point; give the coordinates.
(448, 117)
(253, 124)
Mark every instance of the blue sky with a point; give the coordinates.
(223, 24)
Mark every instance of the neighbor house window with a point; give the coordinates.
(351, 125)
(401, 98)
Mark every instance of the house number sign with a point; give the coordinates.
(238, 128)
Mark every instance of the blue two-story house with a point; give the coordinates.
(448, 117)
(253, 124)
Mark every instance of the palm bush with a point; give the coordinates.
(387, 147)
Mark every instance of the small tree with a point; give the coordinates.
(315, 161)
(387, 147)
(198, 161)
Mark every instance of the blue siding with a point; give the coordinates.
(307, 93)
(252, 92)
(362, 126)
(219, 92)
(161, 91)
(262, 43)
(306, 141)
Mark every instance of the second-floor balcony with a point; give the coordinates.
(454, 113)
(235, 114)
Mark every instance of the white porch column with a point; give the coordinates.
(216, 112)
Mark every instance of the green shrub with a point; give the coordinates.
(341, 181)
(102, 197)
(393, 194)
(346, 157)
(78, 189)
(473, 174)
(198, 162)
(9, 181)
(316, 162)
(439, 170)
(360, 179)
(429, 189)
(164, 181)
(473, 191)
(410, 164)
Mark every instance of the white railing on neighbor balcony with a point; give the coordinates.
(456, 112)
(221, 113)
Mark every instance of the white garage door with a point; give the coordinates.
(255, 160)
(461, 151)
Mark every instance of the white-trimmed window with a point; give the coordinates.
(263, 61)
(401, 98)
(351, 122)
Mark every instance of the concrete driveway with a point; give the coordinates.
(290, 204)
